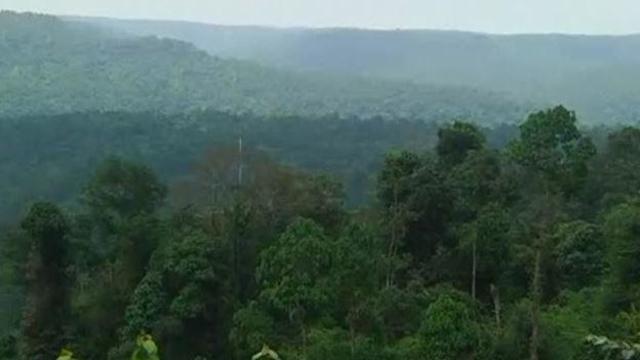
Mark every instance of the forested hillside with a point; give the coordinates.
(52, 156)
(49, 66)
(528, 250)
(597, 75)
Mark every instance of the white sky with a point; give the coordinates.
(496, 16)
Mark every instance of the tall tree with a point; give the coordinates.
(480, 192)
(121, 230)
(43, 332)
(555, 155)
(457, 140)
(621, 229)
(417, 203)
(295, 276)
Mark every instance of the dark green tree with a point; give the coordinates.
(451, 330)
(621, 229)
(120, 231)
(457, 140)
(45, 314)
(554, 154)
(121, 189)
(580, 254)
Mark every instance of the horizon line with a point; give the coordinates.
(319, 28)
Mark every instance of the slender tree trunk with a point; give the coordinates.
(536, 293)
(394, 236)
(474, 269)
(352, 339)
(495, 293)
(303, 331)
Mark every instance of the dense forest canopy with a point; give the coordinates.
(490, 245)
(49, 66)
(596, 75)
(52, 156)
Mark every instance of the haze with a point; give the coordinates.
(494, 16)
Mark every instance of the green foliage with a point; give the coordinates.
(100, 71)
(8, 347)
(147, 303)
(352, 150)
(252, 327)
(417, 201)
(450, 330)
(121, 189)
(620, 229)
(457, 140)
(65, 354)
(543, 68)
(146, 349)
(580, 253)
(42, 332)
(601, 347)
(551, 144)
(44, 221)
(293, 271)
(229, 265)
(566, 323)
(336, 344)
(619, 165)
(182, 293)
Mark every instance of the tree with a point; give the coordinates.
(450, 330)
(456, 141)
(184, 296)
(294, 274)
(551, 147)
(580, 253)
(418, 203)
(600, 347)
(481, 193)
(119, 231)
(394, 190)
(146, 348)
(252, 328)
(66, 354)
(555, 153)
(47, 304)
(619, 165)
(487, 236)
(121, 189)
(621, 229)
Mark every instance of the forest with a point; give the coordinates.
(50, 66)
(594, 74)
(476, 246)
(185, 191)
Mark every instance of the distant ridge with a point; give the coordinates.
(595, 74)
(53, 66)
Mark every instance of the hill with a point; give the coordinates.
(51, 66)
(597, 75)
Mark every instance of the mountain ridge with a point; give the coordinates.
(543, 68)
(53, 66)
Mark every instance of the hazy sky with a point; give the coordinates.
(502, 16)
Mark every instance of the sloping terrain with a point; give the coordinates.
(597, 75)
(50, 66)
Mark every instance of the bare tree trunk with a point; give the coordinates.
(394, 236)
(474, 269)
(536, 293)
(303, 332)
(495, 293)
(352, 339)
